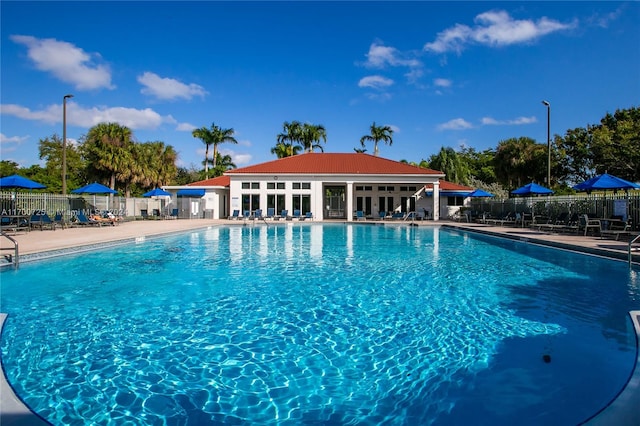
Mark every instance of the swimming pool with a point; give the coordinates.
(312, 323)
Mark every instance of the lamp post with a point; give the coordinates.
(548, 105)
(64, 143)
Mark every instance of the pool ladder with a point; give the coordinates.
(12, 259)
(632, 249)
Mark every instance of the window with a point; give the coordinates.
(455, 201)
(280, 185)
(296, 185)
(245, 185)
(271, 185)
(255, 185)
(301, 202)
(301, 185)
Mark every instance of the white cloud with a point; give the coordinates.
(66, 62)
(375, 82)
(89, 117)
(241, 159)
(494, 28)
(442, 82)
(455, 124)
(12, 139)
(603, 21)
(185, 127)
(379, 56)
(489, 121)
(168, 88)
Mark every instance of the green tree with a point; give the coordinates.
(451, 164)
(8, 168)
(480, 163)
(223, 163)
(378, 134)
(311, 135)
(50, 149)
(214, 135)
(154, 165)
(186, 175)
(289, 141)
(520, 160)
(616, 144)
(108, 151)
(283, 149)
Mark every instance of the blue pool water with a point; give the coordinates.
(319, 324)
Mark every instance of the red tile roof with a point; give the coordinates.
(334, 163)
(448, 186)
(216, 181)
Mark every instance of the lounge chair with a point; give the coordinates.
(40, 219)
(59, 220)
(271, 213)
(586, 223)
(382, 215)
(144, 214)
(308, 216)
(296, 215)
(284, 214)
(246, 215)
(235, 215)
(173, 214)
(83, 220)
(360, 215)
(615, 230)
(397, 216)
(258, 214)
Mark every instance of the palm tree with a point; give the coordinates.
(378, 133)
(213, 136)
(282, 150)
(108, 148)
(310, 136)
(224, 163)
(292, 133)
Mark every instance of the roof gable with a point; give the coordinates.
(334, 163)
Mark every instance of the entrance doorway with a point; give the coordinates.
(334, 202)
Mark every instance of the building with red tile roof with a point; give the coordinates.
(326, 186)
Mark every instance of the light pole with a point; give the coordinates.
(64, 143)
(548, 105)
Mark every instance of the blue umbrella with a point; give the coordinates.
(532, 189)
(17, 181)
(480, 193)
(605, 181)
(94, 188)
(157, 193)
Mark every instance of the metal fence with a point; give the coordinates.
(608, 205)
(20, 203)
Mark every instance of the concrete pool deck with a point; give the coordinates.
(37, 244)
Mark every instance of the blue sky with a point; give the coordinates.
(439, 73)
